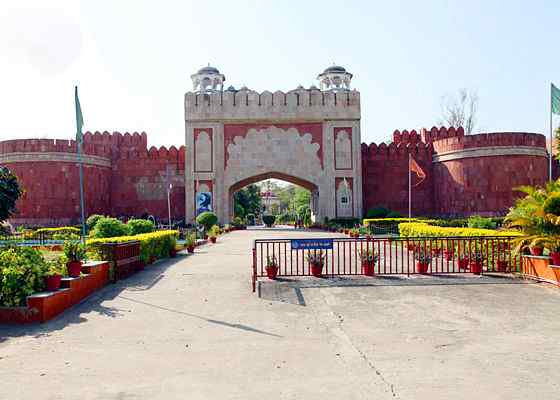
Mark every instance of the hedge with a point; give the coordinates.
(394, 221)
(64, 230)
(156, 244)
(422, 229)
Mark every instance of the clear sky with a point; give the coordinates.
(132, 60)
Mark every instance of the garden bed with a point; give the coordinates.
(44, 306)
(541, 269)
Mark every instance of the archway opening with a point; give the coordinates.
(289, 199)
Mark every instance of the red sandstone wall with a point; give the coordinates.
(484, 185)
(385, 174)
(138, 184)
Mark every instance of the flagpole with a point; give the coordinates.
(550, 146)
(169, 206)
(80, 166)
(409, 188)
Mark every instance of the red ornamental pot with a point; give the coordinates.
(368, 269)
(502, 265)
(422, 268)
(213, 239)
(271, 272)
(53, 282)
(536, 251)
(190, 249)
(463, 263)
(74, 268)
(172, 253)
(555, 256)
(448, 255)
(316, 270)
(476, 268)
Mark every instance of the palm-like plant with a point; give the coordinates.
(535, 215)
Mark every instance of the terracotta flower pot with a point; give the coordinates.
(368, 268)
(53, 282)
(316, 270)
(213, 239)
(190, 249)
(172, 253)
(555, 255)
(476, 267)
(502, 265)
(422, 267)
(536, 251)
(74, 268)
(271, 272)
(463, 263)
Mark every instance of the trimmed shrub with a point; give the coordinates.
(92, 221)
(269, 220)
(552, 204)
(107, 227)
(377, 212)
(157, 244)
(250, 219)
(419, 229)
(138, 226)
(476, 221)
(22, 273)
(63, 232)
(394, 214)
(207, 219)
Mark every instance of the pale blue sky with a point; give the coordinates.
(133, 59)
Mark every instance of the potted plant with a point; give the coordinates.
(423, 261)
(552, 244)
(436, 251)
(190, 242)
(448, 254)
(271, 267)
(75, 253)
(213, 233)
(476, 260)
(369, 258)
(269, 220)
(53, 275)
(316, 260)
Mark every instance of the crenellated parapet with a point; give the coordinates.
(300, 104)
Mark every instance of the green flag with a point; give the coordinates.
(555, 99)
(79, 117)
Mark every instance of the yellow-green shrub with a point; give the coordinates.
(422, 229)
(63, 230)
(157, 244)
(393, 221)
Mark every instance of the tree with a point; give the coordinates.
(556, 142)
(10, 192)
(460, 110)
(247, 201)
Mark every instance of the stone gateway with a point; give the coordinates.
(307, 136)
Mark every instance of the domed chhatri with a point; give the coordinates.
(335, 78)
(208, 79)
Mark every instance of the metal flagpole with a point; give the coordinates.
(168, 187)
(409, 189)
(550, 146)
(79, 140)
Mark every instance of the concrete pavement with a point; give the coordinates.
(190, 328)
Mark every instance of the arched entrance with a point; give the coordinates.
(280, 176)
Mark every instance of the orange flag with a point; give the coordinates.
(414, 167)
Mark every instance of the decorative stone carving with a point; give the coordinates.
(343, 150)
(203, 152)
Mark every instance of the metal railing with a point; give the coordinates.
(444, 255)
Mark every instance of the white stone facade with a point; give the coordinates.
(274, 141)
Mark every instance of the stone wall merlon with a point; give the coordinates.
(250, 105)
(52, 146)
(395, 150)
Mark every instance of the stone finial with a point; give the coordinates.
(208, 79)
(335, 78)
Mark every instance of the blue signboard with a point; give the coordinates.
(312, 244)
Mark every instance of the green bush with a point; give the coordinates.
(157, 244)
(237, 222)
(378, 212)
(269, 220)
(138, 226)
(63, 232)
(207, 219)
(74, 250)
(107, 227)
(22, 273)
(251, 219)
(394, 214)
(552, 204)
(92, 221)
(476, 221)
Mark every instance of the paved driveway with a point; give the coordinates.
(191, 329)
